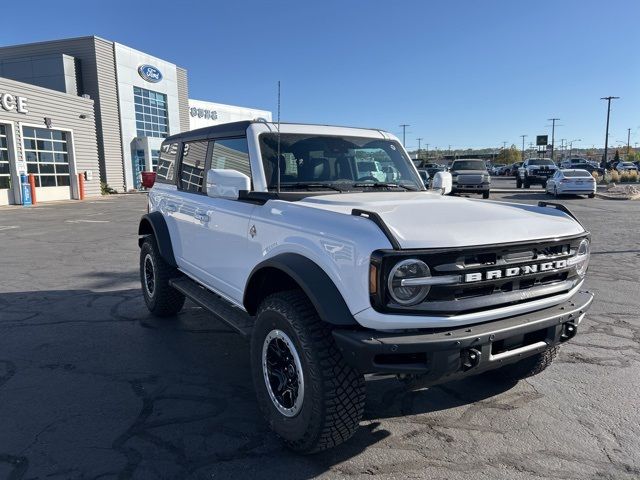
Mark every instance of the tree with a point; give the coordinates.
(616, 157)
(509, 155)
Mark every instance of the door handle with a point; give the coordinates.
(204, 218)
(171, 207)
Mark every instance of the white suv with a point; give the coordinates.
(334, 274)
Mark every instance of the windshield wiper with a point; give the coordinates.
(383, 185)
(310, 185)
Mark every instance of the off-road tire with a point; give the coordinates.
(163, 300)
(334, 392)
(526, 183)
(485, 195)
(592, 195)
(518, 182)
(527, 367)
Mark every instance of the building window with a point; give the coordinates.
(152, 119)
(47, 156)
(194, 156)
(5, 175)
(155, 154)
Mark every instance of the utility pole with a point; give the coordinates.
(404, 132)
(427, 152)
(606, 135)
(523, 137)
(553, 133)
(419, 145)
(504, 145)
(628, 139)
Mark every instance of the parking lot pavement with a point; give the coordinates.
(91, 386)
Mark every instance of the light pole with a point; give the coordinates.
(427, 152)
(628, 140)
(571, 145)
(523, 137)
(606, 135)
(419, 144)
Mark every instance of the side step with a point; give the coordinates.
(233, 316)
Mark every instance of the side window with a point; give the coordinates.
(167, 163)
(194, 156)
(231, 154)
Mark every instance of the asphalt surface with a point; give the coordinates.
(93, 387)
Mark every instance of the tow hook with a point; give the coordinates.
(470, 358)
(569, 331)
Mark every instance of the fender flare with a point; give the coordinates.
(312, 280)
(154, 224)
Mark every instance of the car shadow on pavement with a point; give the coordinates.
(157, 398)
(541, 196)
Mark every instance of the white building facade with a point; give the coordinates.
(205, 114)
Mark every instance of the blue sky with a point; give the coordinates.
(461, 73)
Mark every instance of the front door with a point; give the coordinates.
(214, 231)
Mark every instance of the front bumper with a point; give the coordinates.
(444, 353)
(475, 188)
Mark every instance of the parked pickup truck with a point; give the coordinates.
(333, 274)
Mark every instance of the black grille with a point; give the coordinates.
(464, 297)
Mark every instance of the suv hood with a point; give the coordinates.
(430, 220)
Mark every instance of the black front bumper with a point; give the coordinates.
(474, 188)
(449, 353)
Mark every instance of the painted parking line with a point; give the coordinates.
(86, 221)
(8, 227)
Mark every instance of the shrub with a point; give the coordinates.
(105, 189)
(614, 176)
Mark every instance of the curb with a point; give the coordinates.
(611, 197)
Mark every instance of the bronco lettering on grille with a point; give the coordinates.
(515, 271)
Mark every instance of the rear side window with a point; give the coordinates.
(167, 163)
(194, 158)
(231, 154)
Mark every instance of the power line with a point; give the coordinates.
(606, 136)
(404, 132)
(553, 134)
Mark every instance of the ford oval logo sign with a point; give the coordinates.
(150, 73)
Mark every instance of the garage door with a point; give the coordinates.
(47, 155)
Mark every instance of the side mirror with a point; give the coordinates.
(442, 182)
(226, 183)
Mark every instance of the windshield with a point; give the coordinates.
(341, 162)
(468, 165)
(540, 161)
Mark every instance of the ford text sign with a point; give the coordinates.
(150, 73)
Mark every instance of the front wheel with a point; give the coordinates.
(309, 396)
(485, 195)
(592, 195)
(526, 183)
(161, 298)
(518, 182)
(526, 368)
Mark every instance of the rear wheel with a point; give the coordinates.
(161, 298)
(309, 396)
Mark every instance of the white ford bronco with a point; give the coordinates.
(333, 273)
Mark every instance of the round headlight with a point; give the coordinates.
(400, 285)
(582, 258)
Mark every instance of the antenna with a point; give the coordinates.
(278, 157)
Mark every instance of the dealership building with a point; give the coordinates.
(93, 108)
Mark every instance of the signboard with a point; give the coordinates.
(150, 73)
(542, 140)
(203, 113)
(10, 103)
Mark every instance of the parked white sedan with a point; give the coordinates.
(626, 167)
(571, 182)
